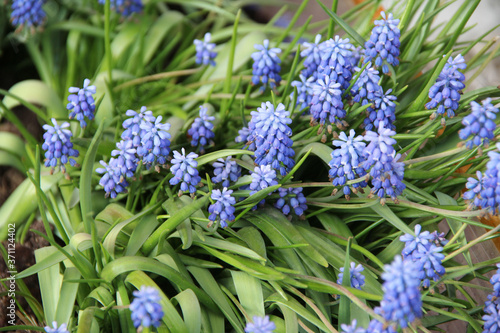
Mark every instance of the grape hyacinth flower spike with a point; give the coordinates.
(480, 124)
(366, 85)
(312, 54)
(185, 172)
(146, 308)
(201, 130)
(382, 110)
(27, 13)
(125, 7)
(205, 54)
(326, 104)
(383, 45)
(222, 208)
(226, 171)
(291, 198)
(155, 143)
(336, 54)
(55, 329)
(262, 177)
(352, 328)
(304, 91)
(58, 146)
(266, 66)
(260, 325)
(113, 180)
(132, 125)
(445, 93)
(81, 103)
(356, 277)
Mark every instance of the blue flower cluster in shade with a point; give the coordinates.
(260, 325)
(27, 13)
(266, 66)
(125, 7)
(492, 306)
(201, 130)
(270, 133)
(479, 124)
(226, 171)
(58, 146)
(185, 172)
(291, 198)
(386, 172)
(346, 161)
(357, 278)
(383, 45)
(222, 209)
(484, 191)
(445, 93)
(402, 302)
(55, 329)
(81, 103)
(205, 53)
(146, 308)
(425, 250)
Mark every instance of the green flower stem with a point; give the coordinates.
(435, 156)
(159, 76)
(456, 236)
(331, 26)
(107, 39)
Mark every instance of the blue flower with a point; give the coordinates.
(155, 143)
(185, 172)
(495, 282)
(260, 325)
(201, 130)
(389, 179)
(352, 328)
(262, 177)
(204, 50)
(27, 13)
(291, 197)
(366, 85)
(429, 261)
(480, 124)
(376, 326)
(326, 103)
(55, 329)
(82, 103)
(346, 161)
(383, 45)
(416, 243)
(146, 308)
(336, 61)
(225, 171)
(312, 55)
(243, 135)
(223, 208)
(125, 7)
(382, 110)
(357, 278)
(266, 66)
(304, 91)
(402, 302)
(380, 147)
(125, 158)
(58, 147)
(445, 93)
(492, 318)
(271, 134)
(113, 180)
(132, 125)
(476, 191)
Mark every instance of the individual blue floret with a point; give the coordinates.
(266, 66)
(383, 45)
(336, 61)
(201, 130)
(402, 302)
(205, 50)
(185, 172)
(480, 124)
(346, 162)
(304, 91)
(352, 328)
(82, 103)
(226, 171)
(125, 7)
(58, 146)
(155, 143)
(27, 13)
(125, 158)
(113, 180)
(271, 134)
(55, 329)
(132, 125)
(260, 325)
(222, 209)
(445, 93)
(146, 308)
(326, 104)
(366, 85)
(357, 278)
(291, 198)
(382, 110)
(312, 54)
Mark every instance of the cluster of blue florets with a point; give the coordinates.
(56, 329)
(479, 124)
(326, 103)
(225, 171)
(125, 7)
(201, 131)
(492, 306)
(312, 56)
(304, 91)
(222, 209)
(365, 87)
(146, 308)
(425, 250)
(381, 111)
(27, 13)
(383, 45)
(184, 169)
(356, 277)
(58, 146)
(445, 93)
(263, 176)
(260, 325)
(291, 198)
(81, 103)
(266, 66)
(205, 53)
